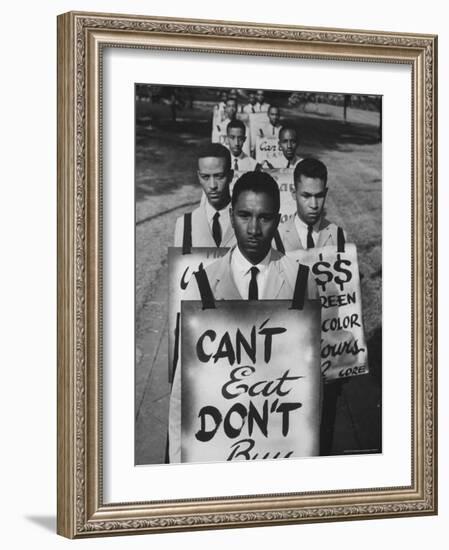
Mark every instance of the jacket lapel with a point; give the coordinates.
(200, 228)
(228, 237)
(275, 280)
(203, 234)
(223, 285)
(325, 234)
(292, 241)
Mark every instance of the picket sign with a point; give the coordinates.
(255, 122)
(343, 346)
(268, 149)
(181, 265)
(217, 116)
(219, 132)
(284, 179)
(250, 380)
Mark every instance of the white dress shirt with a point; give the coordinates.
(302, 229)
(241, 273)
(248, 108)
(291, 163)
(245, 163)
(270, 131)
(223, 219)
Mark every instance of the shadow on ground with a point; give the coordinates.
(375, 354)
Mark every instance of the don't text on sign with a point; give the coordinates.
(250, 380)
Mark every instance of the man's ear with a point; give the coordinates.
(231, 217)
(231, 175)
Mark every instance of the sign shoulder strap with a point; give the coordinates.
(204, 287)
(299, 293)
(187, 236)
(175, 348)
(340, 240)
(279, 243)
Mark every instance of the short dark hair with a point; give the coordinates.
(216, 150)
(286, 127)
(273, 106)
(310, 168)
(236, 123)
(258, 182)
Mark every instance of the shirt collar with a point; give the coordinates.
(224, 212)
(240, 157)
(300, 224)
(292, 162)
(243, 266)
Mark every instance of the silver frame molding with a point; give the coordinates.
(81, 37)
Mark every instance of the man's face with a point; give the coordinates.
(255, 220)
(288, 142)
(310, 196)
(274, 115)
(214, 179)
(224, 96)
(260, 96)
(231, 108)
(252, 98)
(236, 139)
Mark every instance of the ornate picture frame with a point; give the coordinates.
(82, 509)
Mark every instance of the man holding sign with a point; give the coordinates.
(288, 143)
(343, 345)
(266, 145)
(308, 228)
(262, 106)
(209, 224)
(251, 107)
(251, 271)
(236, 138)
(272, 127)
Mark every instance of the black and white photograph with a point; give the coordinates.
(258, 274)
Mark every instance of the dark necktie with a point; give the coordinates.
(253, 110)
(288, 164)
(216, 229)
(253, 291)
(236, 164)
(310, 243)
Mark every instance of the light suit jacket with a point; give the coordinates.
(281, 279)
(245, 163)
(201, 230)
(280, 286)
(327, 235)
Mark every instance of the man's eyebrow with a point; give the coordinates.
(242, 211)
(213, 173)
